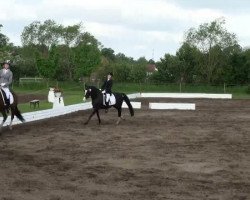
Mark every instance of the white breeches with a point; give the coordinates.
(8, 94)
(107, 97)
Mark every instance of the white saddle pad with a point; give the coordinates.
(112, 100)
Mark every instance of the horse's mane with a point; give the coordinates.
(92, 87)
(94, 90)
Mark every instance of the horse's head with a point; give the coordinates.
(87, 91)
(91, 91)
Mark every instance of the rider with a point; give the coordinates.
(106, 87)
(5, 81)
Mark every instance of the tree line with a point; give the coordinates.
(208, 54)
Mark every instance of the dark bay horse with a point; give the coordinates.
(97, 102)
(13, 108)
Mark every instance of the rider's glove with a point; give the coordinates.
(2, 84)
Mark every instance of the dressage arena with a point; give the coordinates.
(157, 154)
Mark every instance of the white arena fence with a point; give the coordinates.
(186, 95)
(48, 113)
(44, 114)
(172, 106)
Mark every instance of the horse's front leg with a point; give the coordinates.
(12, 117)
(4, 119)
(98, 116)
(91, 115)
(1, 125)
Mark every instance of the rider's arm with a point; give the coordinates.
(103, 86)
(109, 85)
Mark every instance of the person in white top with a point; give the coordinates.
(6, 76)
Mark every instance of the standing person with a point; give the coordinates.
(107, 88)
(6, 76)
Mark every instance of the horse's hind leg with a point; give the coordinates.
(119, 115)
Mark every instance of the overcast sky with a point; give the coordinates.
(136, 28)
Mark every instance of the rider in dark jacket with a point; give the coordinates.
(107, 87)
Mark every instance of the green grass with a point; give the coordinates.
(73, 92)
(43, 105)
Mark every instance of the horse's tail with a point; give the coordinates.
(126, 99)
(18, 114)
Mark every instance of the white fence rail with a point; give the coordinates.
(172, 106)
(31, 80)
(43, 114)
(186, 95)
(136, 105)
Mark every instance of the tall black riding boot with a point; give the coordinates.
(7, 105)
(107, 106)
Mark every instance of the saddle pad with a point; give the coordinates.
(112, 100)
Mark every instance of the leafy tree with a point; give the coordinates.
(123, 67)
(70, 37)
(151, 61)
(5, 47)
(188, 66)
(47, 67)
(240, 68)
(108, 53)
(104, 68)
(121, 58)
(3, 38)
(167, 69)
(87, 55)
(25, 61)
(138, 70)
(47, 33)
(210, 39)
(77, 52)
(122, 71)
(71, 34)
